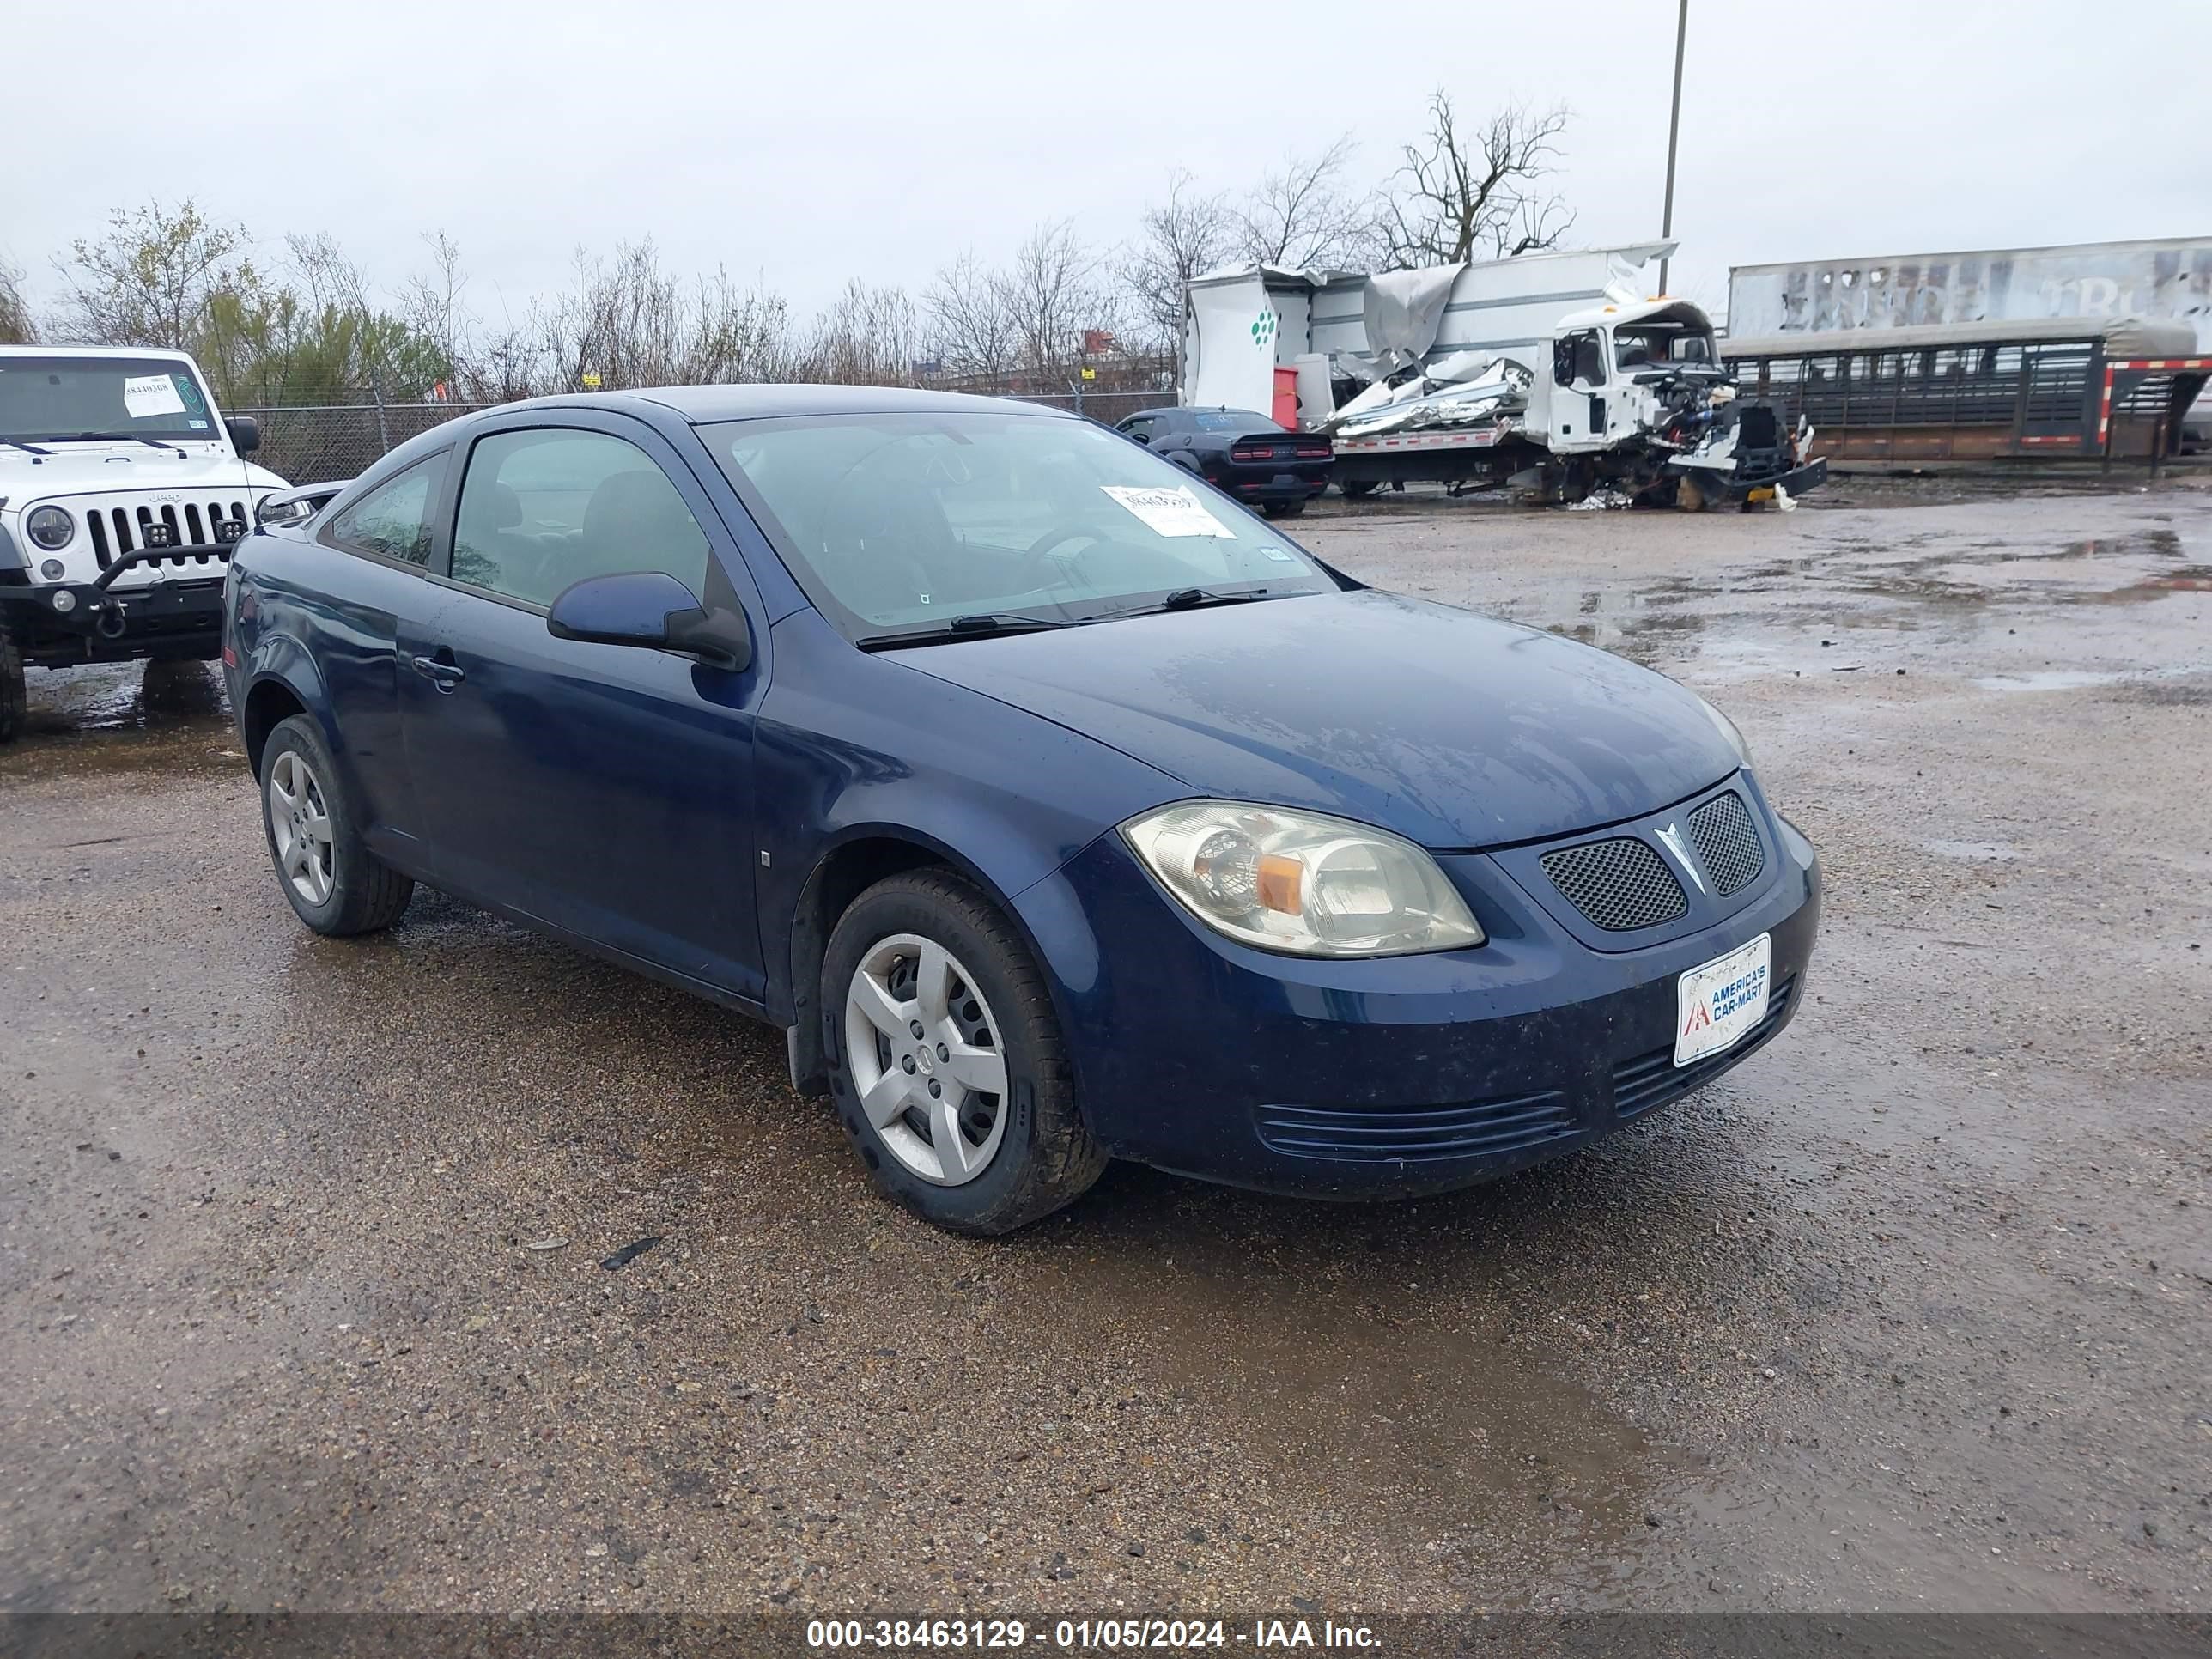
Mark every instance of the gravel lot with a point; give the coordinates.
(303, 1302)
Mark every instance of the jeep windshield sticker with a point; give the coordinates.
(149, 395)
(1174, 511)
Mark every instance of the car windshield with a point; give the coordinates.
(897, 523)
(57, 398)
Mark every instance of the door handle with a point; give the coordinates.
(443, 675)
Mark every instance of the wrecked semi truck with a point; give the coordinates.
(1546, 373)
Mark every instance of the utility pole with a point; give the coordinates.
(1674, 130)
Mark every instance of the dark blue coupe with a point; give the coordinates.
(1057, 807)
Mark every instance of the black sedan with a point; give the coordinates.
(1246, 454)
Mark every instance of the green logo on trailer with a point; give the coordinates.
(1263, 330)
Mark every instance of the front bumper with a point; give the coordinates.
(1726, 488)
(106, 623)
(1395, 1076)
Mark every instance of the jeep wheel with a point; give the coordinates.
(12, 693)
(945, 1059)
(333, 882)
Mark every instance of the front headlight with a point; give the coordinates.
(49, 528)
(1727, 728)
(1301, 882)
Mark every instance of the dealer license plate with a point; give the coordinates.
(1718, 1002)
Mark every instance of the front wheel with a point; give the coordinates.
(946, 1062)
(333, 882)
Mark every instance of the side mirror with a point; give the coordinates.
(245, 433)
(651, 610)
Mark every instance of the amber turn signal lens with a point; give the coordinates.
(1282, 883)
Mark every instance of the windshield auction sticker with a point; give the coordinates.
(1169, 512)
(148, 395)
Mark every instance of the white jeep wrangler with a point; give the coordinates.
(123, 490)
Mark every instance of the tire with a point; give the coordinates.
(1036, 1153)
(337, 886)
(13, 696)
(1284, 509)
(1353, 489)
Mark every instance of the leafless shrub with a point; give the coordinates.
(869, 336)
(628, 322)
(16, 326)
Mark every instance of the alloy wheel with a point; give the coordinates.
(300, 826)
(926, 1060)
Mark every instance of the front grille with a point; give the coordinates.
(1653, 1080)
(1728, 842)
(116, 531)
(1619, 884)
(1481, 1128)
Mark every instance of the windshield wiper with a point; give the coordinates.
(961, 627)
(122, 438)
(32, 449)
(1189, 599)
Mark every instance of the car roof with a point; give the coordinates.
(171, 353)
(702, 405)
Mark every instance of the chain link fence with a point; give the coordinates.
(312, 444)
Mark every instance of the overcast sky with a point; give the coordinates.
(803, 143)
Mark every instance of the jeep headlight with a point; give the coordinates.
(49, 528)
(1302, 883)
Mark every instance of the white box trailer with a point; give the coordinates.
(1551, 371)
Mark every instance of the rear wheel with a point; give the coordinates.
(1284, 509)
(1353, 489)
(946, 1062)
(13, 696)
(331, 880)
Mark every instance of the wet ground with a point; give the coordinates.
(303, 1301)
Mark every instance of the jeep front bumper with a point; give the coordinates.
(54, 623)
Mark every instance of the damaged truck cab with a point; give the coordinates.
(1640, 390)
(1545, 374)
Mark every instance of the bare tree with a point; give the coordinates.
(1464, 193)
(971, 323)
(1303, 217)
(16, 327)
(1185, 234)
(1054, 297)
(148, 280)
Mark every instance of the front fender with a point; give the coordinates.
(862, 751)
(278, 660)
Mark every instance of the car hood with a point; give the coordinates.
(1453, 729)
(73, 469)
